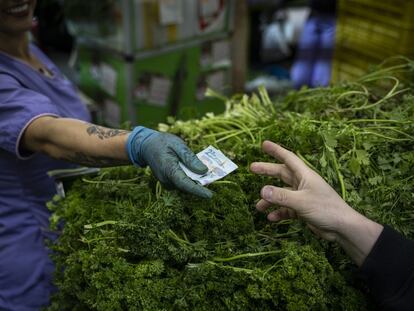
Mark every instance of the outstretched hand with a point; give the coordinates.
(311, 199)
(308, 196)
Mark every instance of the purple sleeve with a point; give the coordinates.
(19, 107)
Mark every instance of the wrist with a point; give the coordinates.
(357, 235)
(135, 145)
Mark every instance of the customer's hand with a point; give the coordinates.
(308, 196)
(162, 152)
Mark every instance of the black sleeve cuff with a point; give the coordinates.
(389, 271)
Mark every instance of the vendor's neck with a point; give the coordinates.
(16, 46)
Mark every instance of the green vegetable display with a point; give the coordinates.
(127, 244)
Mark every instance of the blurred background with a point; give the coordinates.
(143, 61)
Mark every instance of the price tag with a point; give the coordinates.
(159, 91)
(109, 78)
(171, 12)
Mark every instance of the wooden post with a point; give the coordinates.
(240, 46)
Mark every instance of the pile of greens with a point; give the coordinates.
(128, 244)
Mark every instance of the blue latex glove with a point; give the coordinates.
(162, 152)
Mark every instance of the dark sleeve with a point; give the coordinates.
(389, 271)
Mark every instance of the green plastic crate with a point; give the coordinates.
(187, 105)
(92, 85)
(120, 104)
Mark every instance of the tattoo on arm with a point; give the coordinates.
(103, 132)
(94, 161)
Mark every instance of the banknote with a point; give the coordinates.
(218, 165)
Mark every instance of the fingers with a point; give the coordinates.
(182, 182)
(292, 161)
(165, 166)
(188, 158)
(281, 197)
(282, 214)
(263, 205)
(315, 230)
(274, 170)
(277, 215)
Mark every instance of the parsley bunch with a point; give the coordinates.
(127, 244)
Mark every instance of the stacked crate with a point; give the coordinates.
(369, 31)
(145, 60)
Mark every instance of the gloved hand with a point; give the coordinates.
(162, 152)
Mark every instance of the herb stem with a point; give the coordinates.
(339, 174)
(247, 255)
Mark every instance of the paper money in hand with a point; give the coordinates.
(218, 165)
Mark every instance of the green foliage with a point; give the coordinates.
(127, 244)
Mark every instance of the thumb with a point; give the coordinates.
(189, 159)
(281, 197)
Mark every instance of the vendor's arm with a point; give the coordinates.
(385, 257)
(92, 145)
(76, 141)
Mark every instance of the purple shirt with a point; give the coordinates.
(25, 94)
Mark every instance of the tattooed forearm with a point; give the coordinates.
(94, 161)
(103, 132)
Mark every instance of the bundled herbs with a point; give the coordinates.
(128, 244)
